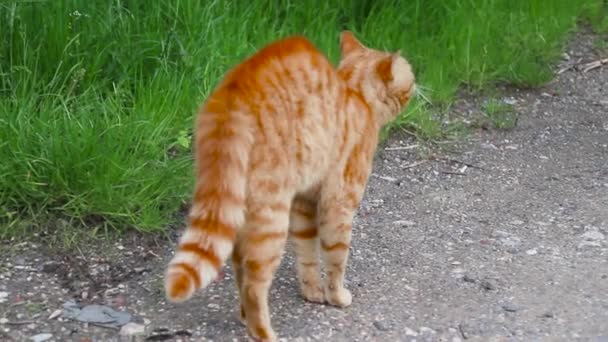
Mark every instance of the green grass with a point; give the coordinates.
(501, 115)
(97, 97)
(596, 12)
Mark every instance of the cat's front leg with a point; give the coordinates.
(339, 199)
(336, 213)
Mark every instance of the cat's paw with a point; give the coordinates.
(312, 292)
(242, 315)
(340, 297)
(262, 334)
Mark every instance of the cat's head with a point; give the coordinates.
(384, 79)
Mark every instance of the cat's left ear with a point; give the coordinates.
(385, 66)
(349, 43)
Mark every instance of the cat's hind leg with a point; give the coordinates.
(261, 249)
(237, 265)
(304, 237)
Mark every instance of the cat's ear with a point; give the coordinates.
(349, 43)
(385, 66)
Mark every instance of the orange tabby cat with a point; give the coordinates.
(285, 145)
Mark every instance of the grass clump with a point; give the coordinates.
(500, 114)
(596, 12)
(97, 97)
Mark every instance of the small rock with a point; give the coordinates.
(297, 339)
(500, 234)
(548, 315)
(513, 250)
(458, 272)
(3, 296)
(585, 244)
(510, 307)
(213, 306)
(593, 235)
(3, 320)
(41, 337)
(512, 242)
(95, 313)
(111, 291)
(185, 333)
(20, 261)
(469, 278)
(487, 285)
(140, 269)
(404, 223)
(119, 300)
(426, 331)
(410, 332)
(55, 314)
(532, 251)
(132, 328)
(386, 178)
(50, 266)
(380, 325)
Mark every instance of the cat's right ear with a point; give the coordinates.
(349, 43)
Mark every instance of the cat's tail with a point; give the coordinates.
(222, 146)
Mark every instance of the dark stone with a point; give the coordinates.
(487, 285)
(510, 307)
(380, 325)
(469, 278)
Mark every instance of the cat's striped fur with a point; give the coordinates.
(284, 146)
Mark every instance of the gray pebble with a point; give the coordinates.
(487, 285)
(593, 235)
(41, 337)
(380, 325)
(469, 278)
(403, 223)
(510, 307)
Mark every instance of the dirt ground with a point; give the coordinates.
(504, 239)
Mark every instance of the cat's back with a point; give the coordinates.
(290, 63)
(280, 51)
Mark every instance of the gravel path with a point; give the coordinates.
(512, 246)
